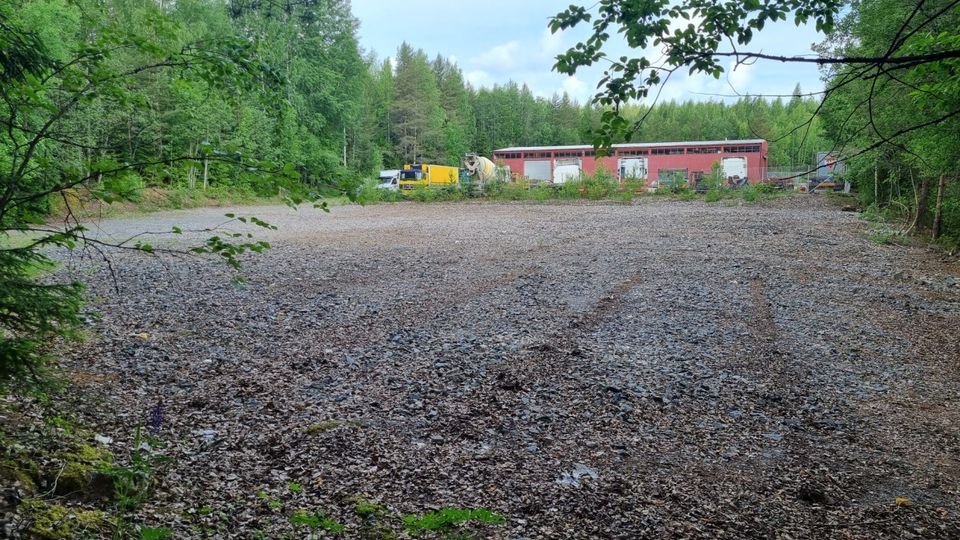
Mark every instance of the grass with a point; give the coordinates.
(148, 200)
(449, 518)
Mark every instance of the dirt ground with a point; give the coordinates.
(659, 370)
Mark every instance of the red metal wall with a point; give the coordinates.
(693, 162)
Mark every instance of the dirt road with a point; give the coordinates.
(663, 370)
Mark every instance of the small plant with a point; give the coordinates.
(446, 519)
(363, 507)
(322, 427)
(316, 521)
(295, 487)
(132, 483)
(155, 533)
(882, 238)
(272, 503)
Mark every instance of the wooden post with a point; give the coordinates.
(938, 214)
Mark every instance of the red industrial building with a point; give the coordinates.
(741, 161)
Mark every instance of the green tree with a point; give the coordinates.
(417, 116)
(47, 146)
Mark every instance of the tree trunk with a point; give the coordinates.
(192, 173)
(938, 215)
(206, 167)
(923, 200)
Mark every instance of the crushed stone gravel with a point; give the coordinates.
(659, 370)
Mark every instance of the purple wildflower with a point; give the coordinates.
(156, 418)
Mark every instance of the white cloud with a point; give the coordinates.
(739, 76)
(500, 58)
(551, 44)
(576, 88)
(478, 78)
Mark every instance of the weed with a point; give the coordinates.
(295, 487)
(623, 195)
(155, 533)
(882, 237)
(272, 503)
(316, 521)
(322, 427)
(713, 195)
(448, 518)
(364, 508)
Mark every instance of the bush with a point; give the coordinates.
(569, 190)
(713, 195)
(43, 311)
(369, 193)
(438, 194)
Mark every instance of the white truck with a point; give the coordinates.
(389, 179)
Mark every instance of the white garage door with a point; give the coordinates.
(633, 168)
(537, 170)
(735, 167)
(565, 170)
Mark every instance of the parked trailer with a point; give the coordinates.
(427, 175)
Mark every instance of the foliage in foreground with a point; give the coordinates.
(53, 86)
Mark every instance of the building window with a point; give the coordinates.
(703, 150)
(666, 151)
(742, 149)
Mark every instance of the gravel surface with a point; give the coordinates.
(664, 370)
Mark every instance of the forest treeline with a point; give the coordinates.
(342, 113)
(338, 113)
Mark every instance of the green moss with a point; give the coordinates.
(24, 472)
(73, 479)
(54, 521)
(322, 427)
(91, 455)
(60, 422)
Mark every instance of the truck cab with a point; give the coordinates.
(389, 179)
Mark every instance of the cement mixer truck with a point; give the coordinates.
(483, 170)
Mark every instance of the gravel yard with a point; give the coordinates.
(664, 370)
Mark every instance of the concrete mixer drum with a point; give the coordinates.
(480, 168)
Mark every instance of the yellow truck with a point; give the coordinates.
(422, 174)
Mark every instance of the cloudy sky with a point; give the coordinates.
(495, 41)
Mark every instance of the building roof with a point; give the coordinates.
(631, 145)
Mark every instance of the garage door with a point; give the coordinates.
(633, 168)
(537, 170)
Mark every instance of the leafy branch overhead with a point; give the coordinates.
(702, 34)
